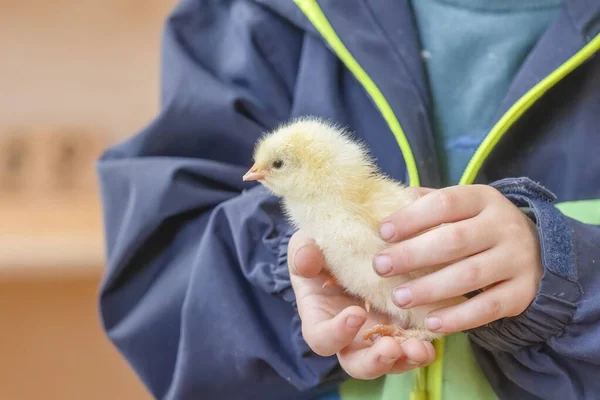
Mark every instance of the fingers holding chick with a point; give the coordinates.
(451, 242)
(334, 323)
(453, 281)
(328, 335)
(371, 362)
(386, 356)
(418, 353)
(435, 208)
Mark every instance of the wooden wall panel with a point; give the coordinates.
(53, 348)
(75, 77)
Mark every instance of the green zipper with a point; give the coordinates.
(316, 16)
(428, 381)
(522, 105)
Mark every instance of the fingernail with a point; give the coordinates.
(354, 321)
(433, 323)
(387, 359)
(382, 264)
(386, 231)
(298, 251)
(295, 256)
(402, 296)
(303, 254)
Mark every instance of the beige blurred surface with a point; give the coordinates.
(52, 346)
(75, 76)
(92, 61)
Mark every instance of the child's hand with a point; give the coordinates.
(332, 322)
(488, 244)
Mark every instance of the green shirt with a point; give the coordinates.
(472, 49)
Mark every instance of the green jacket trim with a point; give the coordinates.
(316, 16)
(522, 105)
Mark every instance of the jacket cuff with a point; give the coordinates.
(554, 305)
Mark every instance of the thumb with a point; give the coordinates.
(304, 256)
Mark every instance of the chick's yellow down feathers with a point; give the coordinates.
(332, 189)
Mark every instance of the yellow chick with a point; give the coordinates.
(332, 189)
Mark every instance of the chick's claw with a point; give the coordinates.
(399, 334)
(331, 282)
(383, 330)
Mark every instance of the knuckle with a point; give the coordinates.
(490, 192)
(447, 201)
(492, 308)
(526, 254)
(425, 291)
(523, 261)
(399, 218)
(473, 274)
(514, 230)
(457, 240)
(402, 257)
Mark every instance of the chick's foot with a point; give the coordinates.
(399, 334)
(382, 330)
(420, 334)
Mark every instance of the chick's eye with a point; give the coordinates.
(277, 164)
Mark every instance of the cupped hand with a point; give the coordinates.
(333, 322)
(483, 241)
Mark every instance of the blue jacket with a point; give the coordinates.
(197, 295)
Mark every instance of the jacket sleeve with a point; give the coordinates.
(552, 350)
(196, 294)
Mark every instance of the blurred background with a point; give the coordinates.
(75, 76)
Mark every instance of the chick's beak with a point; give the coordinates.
(254, 174)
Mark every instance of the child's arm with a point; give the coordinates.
(197, 295)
